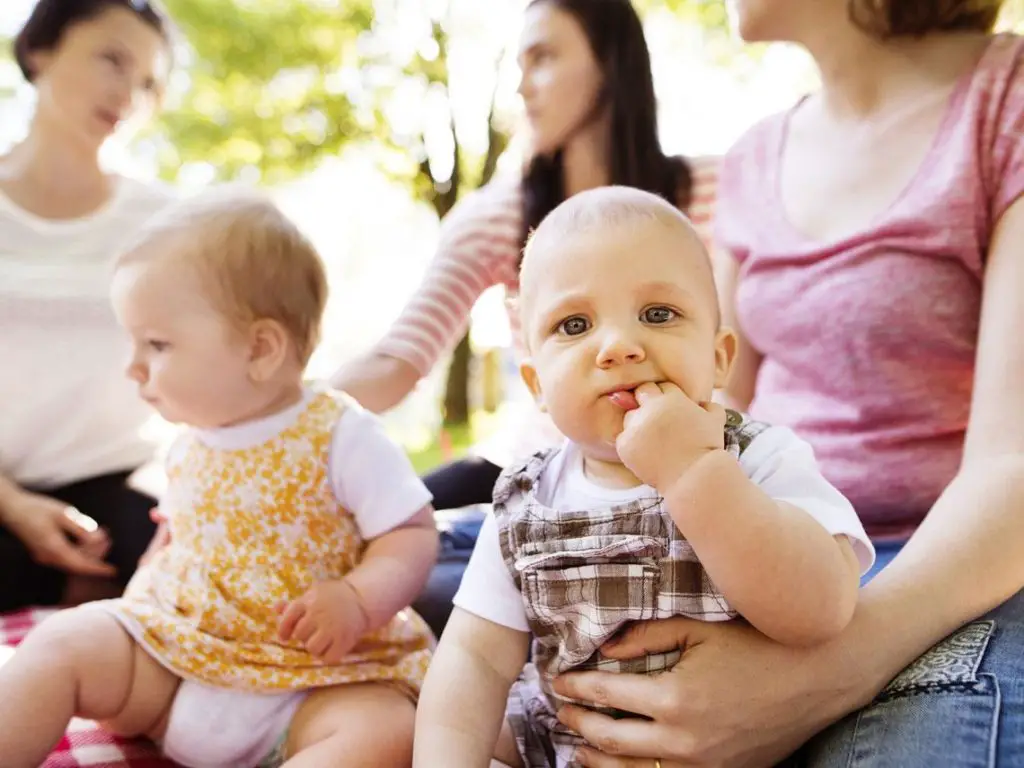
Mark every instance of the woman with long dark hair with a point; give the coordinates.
(590, 106)
(71, 528)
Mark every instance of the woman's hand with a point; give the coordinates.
(735, 698)
(57, 535)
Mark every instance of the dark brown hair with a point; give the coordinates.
(616, 37)
(50, 19)
(911, 18)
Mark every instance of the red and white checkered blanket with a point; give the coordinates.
(84, 745)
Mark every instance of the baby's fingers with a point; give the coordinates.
(292, 614)
(715, 410)
(319, 644)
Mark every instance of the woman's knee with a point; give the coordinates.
(463, 483)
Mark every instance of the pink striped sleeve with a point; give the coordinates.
(479, 241)
(703, 196)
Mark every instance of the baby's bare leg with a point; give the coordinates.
(78, 662)
(365, 725)
(506, 753)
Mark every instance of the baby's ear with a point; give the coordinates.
(726, 346)
(269, 347)
(532, 381)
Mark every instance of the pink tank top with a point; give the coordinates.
(868, 341)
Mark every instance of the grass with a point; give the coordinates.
(452, 443)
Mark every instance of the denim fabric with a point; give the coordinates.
(458, 530)
(960, 704)
(884, 554)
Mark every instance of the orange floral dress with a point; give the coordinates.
(251, 529)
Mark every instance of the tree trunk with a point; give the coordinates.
(456, 388)
(456, 393)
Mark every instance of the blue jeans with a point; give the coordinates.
(961, 704)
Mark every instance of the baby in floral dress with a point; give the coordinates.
(273, 627)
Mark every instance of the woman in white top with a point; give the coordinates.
(70, 528)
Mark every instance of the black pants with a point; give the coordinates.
(462, 483)
(108, 500)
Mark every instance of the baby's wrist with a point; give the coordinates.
(690, 469)
(9, 495)
(687, 493)
(357, 598)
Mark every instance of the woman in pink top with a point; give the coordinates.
(590, 103)
(873, 256)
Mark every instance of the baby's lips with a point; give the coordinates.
(625, 399)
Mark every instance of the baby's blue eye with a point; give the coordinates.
(574, 326)
(658, 315)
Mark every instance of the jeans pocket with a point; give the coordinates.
(950, 665)
(940, 711)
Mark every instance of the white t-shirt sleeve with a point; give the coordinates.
(488, 589)
(784, 467)
(371, 476)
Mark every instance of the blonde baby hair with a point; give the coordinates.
(249, 256)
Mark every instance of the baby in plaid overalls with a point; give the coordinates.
(658, 504)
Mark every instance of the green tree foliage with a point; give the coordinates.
(262, 92)
(270, 87)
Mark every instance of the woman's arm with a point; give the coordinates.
(478, 247)
(967, 557)
(737, 698)
(739, 392)
(377, 381)
(8, 492)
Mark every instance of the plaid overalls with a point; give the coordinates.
(584, 574)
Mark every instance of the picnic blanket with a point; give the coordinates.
(85, 744)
